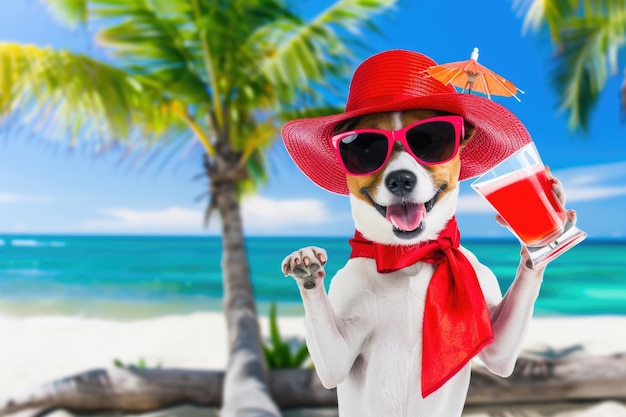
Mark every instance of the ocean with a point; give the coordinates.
(126, 277)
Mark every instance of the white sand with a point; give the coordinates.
(40, 349)
(598, 335)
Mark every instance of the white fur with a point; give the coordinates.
(376, 228)
(365, 335)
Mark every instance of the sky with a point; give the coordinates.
(47, 189)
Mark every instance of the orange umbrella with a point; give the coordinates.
(471, 76)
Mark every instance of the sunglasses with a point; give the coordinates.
(430, 141)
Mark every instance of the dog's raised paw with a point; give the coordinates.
(306, 266)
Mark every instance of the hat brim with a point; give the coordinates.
(499, 133)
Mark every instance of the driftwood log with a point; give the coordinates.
(583, 378)
(542, 380)
(138, 390)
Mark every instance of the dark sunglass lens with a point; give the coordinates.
(432, 142)
(363, 153)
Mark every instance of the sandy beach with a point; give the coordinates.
(34, 350)
(38, 349)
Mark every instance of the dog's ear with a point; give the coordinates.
(469, 132)
(346, 125)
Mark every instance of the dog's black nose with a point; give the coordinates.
(401, 182)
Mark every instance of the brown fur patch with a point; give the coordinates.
(372, 121)
(447, 173)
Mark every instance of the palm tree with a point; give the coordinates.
(223, 73)
(587, 37)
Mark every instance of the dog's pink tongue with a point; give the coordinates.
(406, 217)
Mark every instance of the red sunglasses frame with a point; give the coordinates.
(400, 136)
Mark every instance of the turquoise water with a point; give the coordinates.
(134, 276)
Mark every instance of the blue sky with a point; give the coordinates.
(47, 189)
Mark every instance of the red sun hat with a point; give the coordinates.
(398, 80)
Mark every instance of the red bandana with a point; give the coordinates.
(456, 320)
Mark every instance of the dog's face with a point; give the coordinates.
(405, 202)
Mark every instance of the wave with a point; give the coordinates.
(32, 243)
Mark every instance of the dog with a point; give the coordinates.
(369, 334)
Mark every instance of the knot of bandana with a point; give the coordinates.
(456, 323)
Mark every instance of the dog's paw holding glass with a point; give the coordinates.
(411, 307)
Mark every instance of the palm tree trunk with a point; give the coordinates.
(246, 392)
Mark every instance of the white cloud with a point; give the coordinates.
(10, 198)
(133, 220)
(469, 203)
(583, 183)
(265, 213)
(593, 182)
(259, 214)
(578, 194)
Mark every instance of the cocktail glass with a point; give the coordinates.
(521, 192)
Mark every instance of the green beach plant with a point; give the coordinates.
(222, 75)
(280, 354)
(140, 364)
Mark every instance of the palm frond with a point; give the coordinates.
(156, 39)
(254, 137)
(253, 142)
(588, 58)
(306, 112)
(63, 93)
(551, 12)
(228, 62)
(296, 53)
(191, 66)
(68, 12)
(306, 58)
(587, 36)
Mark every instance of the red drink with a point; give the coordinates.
(521, 192)
(526, 202)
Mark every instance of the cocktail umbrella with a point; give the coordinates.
(472, 76)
